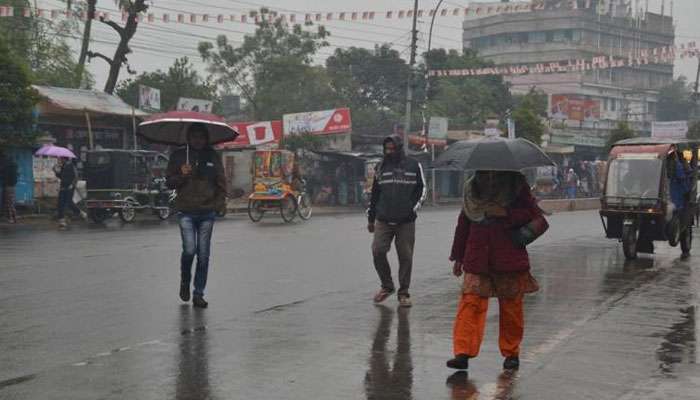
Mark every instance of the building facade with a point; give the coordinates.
(584, 106)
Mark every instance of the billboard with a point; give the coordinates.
(437, 129)
(326, 122)
(149, 98)
(255, 134)
(187, 104)
(669, 130)
(574, 108)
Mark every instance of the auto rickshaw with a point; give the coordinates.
(124, 181)
(651, 194)
(277, 187)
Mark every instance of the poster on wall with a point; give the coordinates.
(326, 122)
(669, 130)
(255, 134)
(574, 108)
(199, 105)
(149, 98)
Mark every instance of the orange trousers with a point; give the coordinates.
(471, 322)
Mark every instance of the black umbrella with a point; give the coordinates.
(493, 154)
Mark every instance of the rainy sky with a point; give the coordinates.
(156, 46)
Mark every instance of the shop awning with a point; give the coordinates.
(58, 100)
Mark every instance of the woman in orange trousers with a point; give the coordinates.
(489, 250)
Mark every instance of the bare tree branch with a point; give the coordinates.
(92, 54)
(114, 26)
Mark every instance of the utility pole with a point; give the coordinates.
(411, 64)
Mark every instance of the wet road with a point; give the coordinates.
(93, 313)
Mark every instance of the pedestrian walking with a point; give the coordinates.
(7, 194)
(499, 218)
(397, 194)
(197, 173)
(571, 184)
(67, 174)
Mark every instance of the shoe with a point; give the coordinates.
(511, 363)
(405, 301)
(461, 361)
(199, 302)
(184, 292)
(62, 223)
(382, 295)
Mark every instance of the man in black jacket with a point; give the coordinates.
(398, 192)
(67, 174)
(8, 181)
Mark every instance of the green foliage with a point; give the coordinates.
(675, 101)
(181, 80)
(42, 46)
(303, 141)
(17, 100)
(528, 113)
(372, 83)
(466, 101)
(621, 132)
(272, 68)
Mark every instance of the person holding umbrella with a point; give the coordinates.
(197, 173)
(499, 218)
(67, 174)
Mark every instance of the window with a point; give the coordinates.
(613, 104)
(576, 36)
(536, 37)
(549, 36)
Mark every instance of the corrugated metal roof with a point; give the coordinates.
(86, 100)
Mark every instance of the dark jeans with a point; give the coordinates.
(65, 199)
(196, 231)
(404, 236)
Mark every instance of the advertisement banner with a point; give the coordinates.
(326, 122)
(574, 108)
(437, 128)
(199, 105)
(255, 134)
(669, 130)
(419, 140)
(149, 98)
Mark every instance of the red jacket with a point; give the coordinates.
(488, 247)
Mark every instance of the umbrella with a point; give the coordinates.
(54, 151)
(171, 127)
(493, 154)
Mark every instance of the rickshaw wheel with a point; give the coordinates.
(98, 216)
(304, 207)
(128, 213)
(629, 242)
(687, 240)
(254, 212)
(288, 208)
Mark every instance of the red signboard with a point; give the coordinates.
(255, 134)
(575, 108)
(419, 140)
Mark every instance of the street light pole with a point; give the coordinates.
(409, 89)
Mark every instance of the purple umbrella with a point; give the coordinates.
(55, 151)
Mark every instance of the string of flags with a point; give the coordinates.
(662, 55)
(480, 9)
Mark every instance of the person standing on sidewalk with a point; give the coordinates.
(67, 174)
(7, 194)
(197, 174)
(499, 218)
(398, 192)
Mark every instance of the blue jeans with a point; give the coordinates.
(196, 231)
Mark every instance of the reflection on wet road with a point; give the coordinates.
(94, 314)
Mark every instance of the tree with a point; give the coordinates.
(466, 101)
(371, 83)
(272, 68)
(675, 101)
(17, 99)
(621, 132)
(42, 46)
(133, 9)
(181, 80)
(528, 113)
(85, 46)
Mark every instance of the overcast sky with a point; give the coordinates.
(157, 45)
